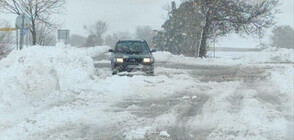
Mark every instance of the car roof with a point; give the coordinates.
(141, 40)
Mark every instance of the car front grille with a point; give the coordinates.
(133, 61)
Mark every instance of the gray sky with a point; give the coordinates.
(121, 15)
(126, 15)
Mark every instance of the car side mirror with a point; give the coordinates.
(153, 50)
(111, 50)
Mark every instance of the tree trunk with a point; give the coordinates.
(34, 33)
(203, 45)
(204, 37)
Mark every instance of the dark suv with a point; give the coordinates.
(132, 55)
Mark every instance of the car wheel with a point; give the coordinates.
(114, 72)
(150, 73)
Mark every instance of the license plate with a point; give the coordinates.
(132, 60)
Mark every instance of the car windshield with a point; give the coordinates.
(132, 47)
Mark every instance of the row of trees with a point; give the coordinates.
(98, 35)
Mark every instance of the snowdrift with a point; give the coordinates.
(38, 76)
(41, 70)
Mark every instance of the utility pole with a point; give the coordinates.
(17, 39)
(23, 24)
(22, 33)
(214, 36)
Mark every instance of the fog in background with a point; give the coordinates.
(126, 15)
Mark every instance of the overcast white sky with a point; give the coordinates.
(126, 15)
(121, 15)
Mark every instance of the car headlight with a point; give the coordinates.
(119, 60)
(147, 60)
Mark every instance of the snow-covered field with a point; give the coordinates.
(58, 93)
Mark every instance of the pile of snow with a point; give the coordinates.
(39, 76)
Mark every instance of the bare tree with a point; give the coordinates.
(145, 33)
(46, 34)
(39, 11)
(98, 29)
(5, 40)
(91, 41)
(167, 7)
(240, 16)
(111, 40)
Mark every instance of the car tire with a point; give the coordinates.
(114, 73)
(150, 73)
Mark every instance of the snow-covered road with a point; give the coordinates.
(57, 93)
(180, 109)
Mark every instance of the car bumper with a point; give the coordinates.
(148, 68)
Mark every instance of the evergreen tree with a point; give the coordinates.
(181, 34)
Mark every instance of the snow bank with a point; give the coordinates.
(39, 69)
(39, 76)
(270, 55)
(167, 57)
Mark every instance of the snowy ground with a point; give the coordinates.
(62, 93)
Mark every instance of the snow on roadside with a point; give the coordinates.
(270, 55)
(38, 77)
(167, 57)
